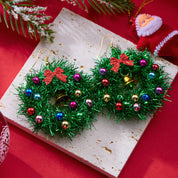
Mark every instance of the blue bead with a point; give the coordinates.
(37, 96)
(151, 75)
(28, 92)
(145, 97)
(59, 116)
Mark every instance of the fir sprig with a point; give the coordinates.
(30, 17)
(105, 6)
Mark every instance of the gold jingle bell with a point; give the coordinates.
(135, 97)
(127, 80)
(78, 93)
(106, 97)
(65, 124)
(61, 98)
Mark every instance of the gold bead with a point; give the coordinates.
(78, 93)
(106, 97)
(65, 124)
(127, 80)
(135, 97)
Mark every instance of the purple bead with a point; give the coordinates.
(102, 71)
(36, 80)
(89, 102)
(77, 77)
(73, 105)
(159, 90)
(143, 62)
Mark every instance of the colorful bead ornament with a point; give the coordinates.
(28, 92)
(39, 119)
(59, 116)
(77, 77)
(31, 111)
(119, 106)
(36, 80)
(155, 67)
(37, 96)
(145, 97)
(102, 71)
(73, 105)
(136, 107)
(89, 102)
(159, 90)
(143, 62)
(105, 82)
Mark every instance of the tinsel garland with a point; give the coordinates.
(133, 91)
(58, 108)
(62, 101)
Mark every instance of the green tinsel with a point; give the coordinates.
(78, 119)
(92, 88)
(121, 92)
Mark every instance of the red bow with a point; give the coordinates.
(123, 59)
(57, 72)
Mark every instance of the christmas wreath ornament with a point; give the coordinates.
(58, 99)
(136, 84)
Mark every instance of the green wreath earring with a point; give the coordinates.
(129, 84)
(57, 99)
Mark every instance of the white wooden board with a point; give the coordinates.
(107, 146)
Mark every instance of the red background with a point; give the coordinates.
(156, 154)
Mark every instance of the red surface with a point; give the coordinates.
(156, 154)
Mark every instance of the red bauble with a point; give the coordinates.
(155, 67)
(105, 82)
(4, 138)
(119, 106)
(31, 111)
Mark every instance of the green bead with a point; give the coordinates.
(120, 97)
(79, 115)
(126, 103)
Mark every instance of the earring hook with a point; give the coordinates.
(47, 57)
(101, 46)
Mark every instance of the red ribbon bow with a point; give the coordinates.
(123, 59)
(57, 72)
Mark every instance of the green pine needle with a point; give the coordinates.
(49, 109)
(91, 86)
(143, 85)
(28, 15)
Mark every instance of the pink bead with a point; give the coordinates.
(73, 105)
(39, 119)
(77, 77)
(136, 107)
(36, 80)
(159, 90)
(143, 62)
(89, 102)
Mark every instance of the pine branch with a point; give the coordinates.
(105, 6)
(29, 16)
